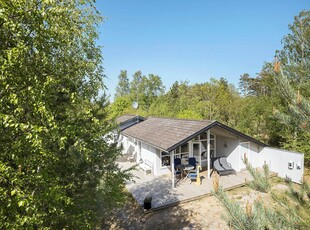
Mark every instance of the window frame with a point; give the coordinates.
(161, 159)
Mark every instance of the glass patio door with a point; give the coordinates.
(197, 152)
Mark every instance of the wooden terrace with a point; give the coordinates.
(163, 195)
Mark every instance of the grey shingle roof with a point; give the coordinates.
(165, 132)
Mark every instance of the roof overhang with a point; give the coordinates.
(190, 137)
(155, 146)
(220, 125)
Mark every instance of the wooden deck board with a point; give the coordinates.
(163, 195)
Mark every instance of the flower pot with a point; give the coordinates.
(147, 202)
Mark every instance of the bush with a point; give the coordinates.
(260, 179)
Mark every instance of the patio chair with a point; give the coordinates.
(195, 175)
(192, 161)
(226, 165)
(177, 171)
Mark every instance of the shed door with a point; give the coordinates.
(244, 148)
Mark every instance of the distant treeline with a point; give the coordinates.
(272, 106)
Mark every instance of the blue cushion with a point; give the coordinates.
(192, 175)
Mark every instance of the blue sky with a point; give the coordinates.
(192, 40)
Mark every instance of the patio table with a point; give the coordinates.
(180, 166)
(188, 167)
(185, 168)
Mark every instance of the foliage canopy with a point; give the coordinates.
(56, 169)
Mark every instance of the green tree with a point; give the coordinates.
(244, 84)
(153, 88)
(295, 54)
(213, 100)
(123, 87)
(298, 112)
(146, 89)
(168, 105)
(56, 168)
(120, 106)
(267, 91)
(136, 86)
(296, 116)
(250, 86)
(291, 83)
(177, 97)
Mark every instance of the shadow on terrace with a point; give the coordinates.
(159, 188)
(132, 215)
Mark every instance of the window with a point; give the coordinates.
(204, 136)
(184, 148)
(165, 159)
(196, 151)
(182, 152)
(204, 154)
(177, 155)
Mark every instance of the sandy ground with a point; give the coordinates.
(200, 214)
(205, 213)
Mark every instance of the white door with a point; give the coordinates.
(244, 148)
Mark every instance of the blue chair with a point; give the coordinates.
(192, 161)
(177, 161)
(195, 175)
(177, 171)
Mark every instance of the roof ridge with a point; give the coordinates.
(128, 115)
(182, 119)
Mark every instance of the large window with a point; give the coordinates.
(182, 152)
(165, 159)
(196, 151)
(204, 147)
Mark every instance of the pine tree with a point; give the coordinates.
(290, 209)
(298, 105)
(244, 84)
(295, 55)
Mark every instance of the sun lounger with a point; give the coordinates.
(222, 167)
(226, 165)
